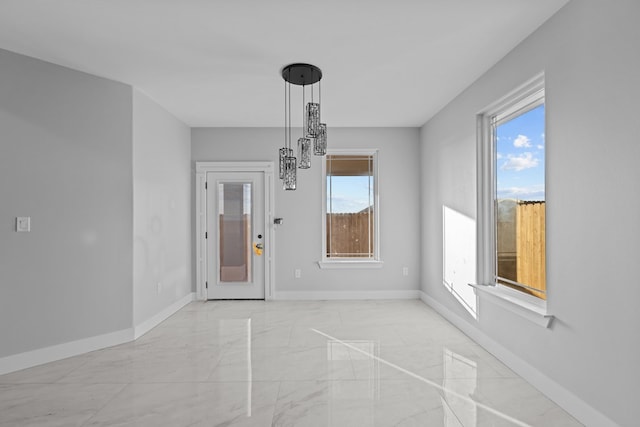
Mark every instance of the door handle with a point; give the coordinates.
(257, 248)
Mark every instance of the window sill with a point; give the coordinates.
(532, 309)
(350, 264)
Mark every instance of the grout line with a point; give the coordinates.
(124, 386)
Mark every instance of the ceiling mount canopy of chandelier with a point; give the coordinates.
(313, 131)
(301, 74)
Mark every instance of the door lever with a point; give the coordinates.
(258, 248)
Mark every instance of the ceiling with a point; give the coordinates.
(217, 63)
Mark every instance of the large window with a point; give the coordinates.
(351, 211)
(513, 168)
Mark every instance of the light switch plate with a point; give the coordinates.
(23, 223)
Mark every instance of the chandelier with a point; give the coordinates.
(313, 132)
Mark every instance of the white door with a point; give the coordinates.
(235, 235)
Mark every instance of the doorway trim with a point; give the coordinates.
(201, 220)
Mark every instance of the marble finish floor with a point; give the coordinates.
(256, 363)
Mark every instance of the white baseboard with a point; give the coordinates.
(40, 356)
(345, 295)
(145, 326)
(582, 411)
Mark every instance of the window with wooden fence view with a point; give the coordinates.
(350, 225)
(520, 198)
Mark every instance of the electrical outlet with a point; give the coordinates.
(297, 273)
(405, 271)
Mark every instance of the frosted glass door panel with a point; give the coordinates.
(234, 218)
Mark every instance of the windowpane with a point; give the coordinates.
(234, 212)
(350, 206)
(519, 143)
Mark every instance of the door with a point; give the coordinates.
(235, 235)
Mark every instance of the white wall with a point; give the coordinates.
(65, 161)
(298, 241)
(161, 209)
(589, 52)
(104, 174)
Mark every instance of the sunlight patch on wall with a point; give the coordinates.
(459, 257)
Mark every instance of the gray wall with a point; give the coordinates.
(589, 52)
(161, 209)
(65, 161)
(298, 241)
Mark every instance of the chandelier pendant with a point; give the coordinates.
(313, 119)
(304, 153)
(314, 133)
(320, 143)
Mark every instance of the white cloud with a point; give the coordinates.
(498, 156)
(535, 192)
(540, 147)
(346, 204)
(521, 162)
(522, 141)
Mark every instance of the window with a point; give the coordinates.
(350, 208)
(512, 198)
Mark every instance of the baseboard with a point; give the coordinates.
(40, 356)
(571, 403)
(144, 327)
(345, 295)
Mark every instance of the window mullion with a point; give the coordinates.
(494, 196)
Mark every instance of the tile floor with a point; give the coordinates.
(256, 363)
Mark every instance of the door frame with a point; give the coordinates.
(202, 168)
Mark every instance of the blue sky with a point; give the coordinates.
(520, 158)
(520, 164)
(349, 193)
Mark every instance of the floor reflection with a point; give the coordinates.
(243, 343)
(343, 394)
(460, 379)
(456, 393)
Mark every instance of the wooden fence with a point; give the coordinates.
(521, 244)
(350, 234)
(530, 238)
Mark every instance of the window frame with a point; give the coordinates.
(334, 263)
(515, 103)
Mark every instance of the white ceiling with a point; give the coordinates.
(217, 63)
